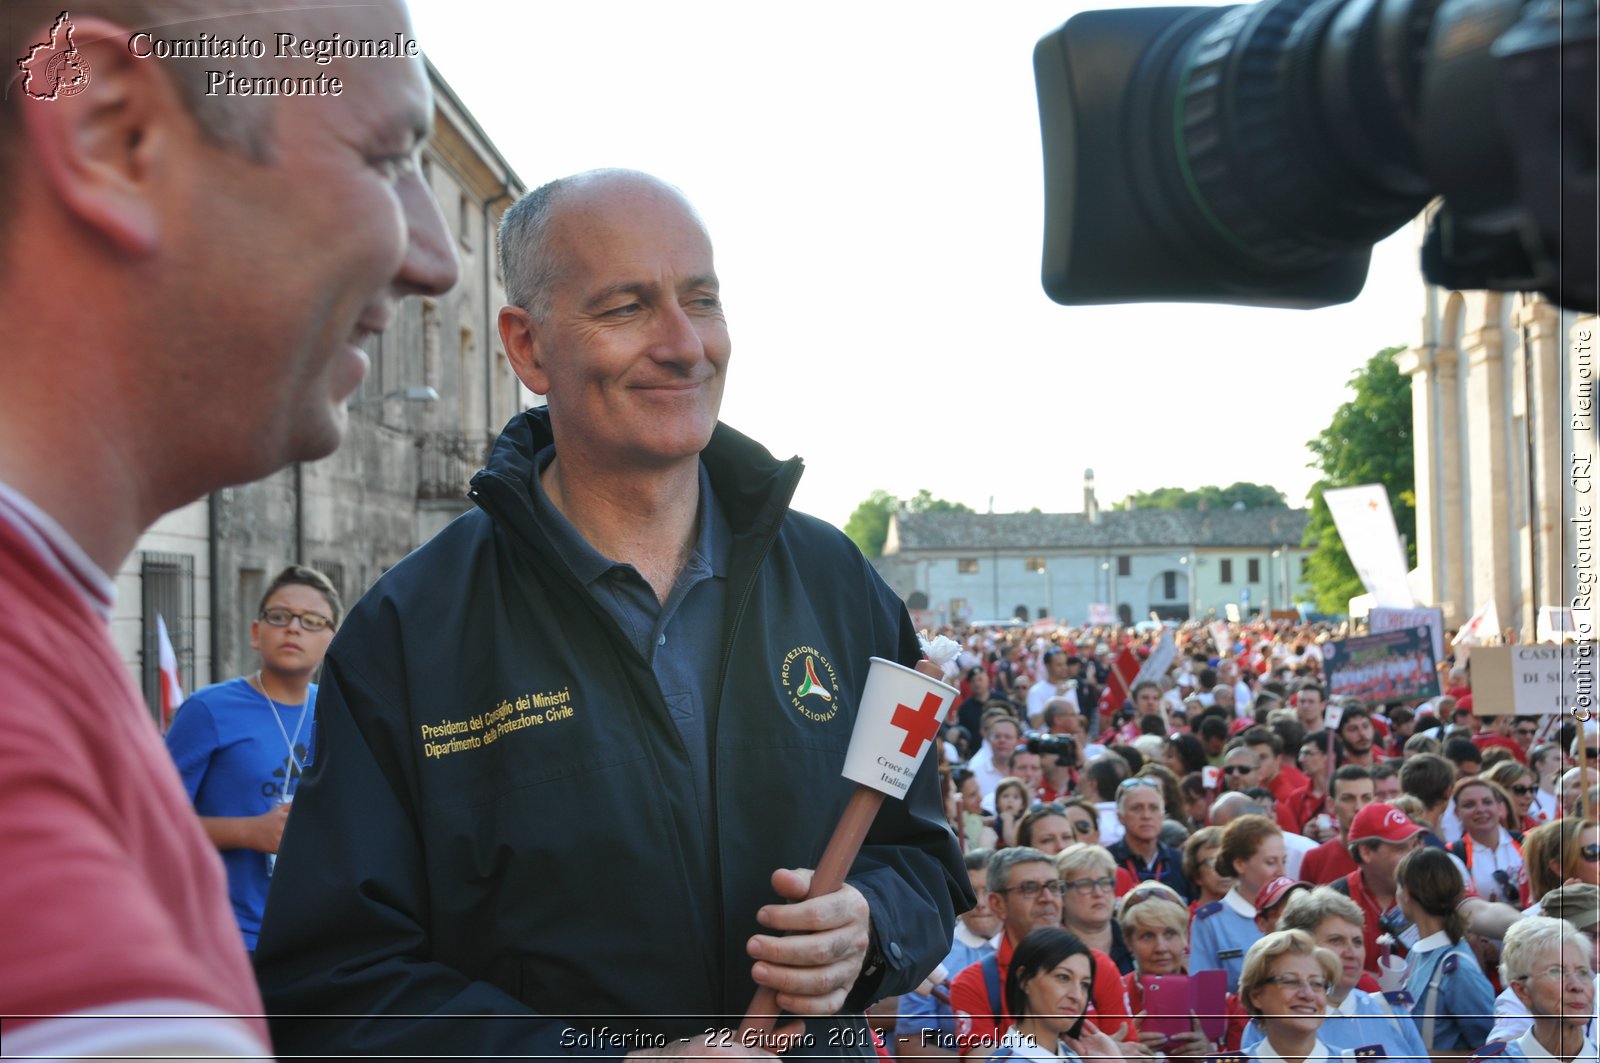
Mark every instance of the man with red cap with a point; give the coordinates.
(1379, 836)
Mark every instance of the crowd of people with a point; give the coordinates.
(1224, 858)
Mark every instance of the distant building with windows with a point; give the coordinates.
(1176, 564)
(437, 393)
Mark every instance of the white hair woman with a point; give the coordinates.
(1546, 963)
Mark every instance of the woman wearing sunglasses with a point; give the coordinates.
(1284, 987)
(1522, 783)
(1493, 854)
(1560, 851)
(1083, 819)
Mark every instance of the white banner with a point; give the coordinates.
(1366, 524)
(1160, 659)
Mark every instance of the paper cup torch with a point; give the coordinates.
(897, 721)
(901, 710)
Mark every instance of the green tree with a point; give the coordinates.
(1368, 441)
(868, 525)
(1253, 496)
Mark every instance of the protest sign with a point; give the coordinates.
(1389, 666)
(1387, 619)
(1534, 679)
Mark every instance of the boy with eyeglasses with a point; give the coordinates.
(241, 745)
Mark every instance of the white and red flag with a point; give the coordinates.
(1119, 685)
(1481, 630)
(171, 686)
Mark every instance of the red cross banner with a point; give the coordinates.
(897, 720)
(1366, 526)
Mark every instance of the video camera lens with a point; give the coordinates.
(1063, 747)
(1253, 154)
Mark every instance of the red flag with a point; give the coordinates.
(1124, 670)
(171, 687)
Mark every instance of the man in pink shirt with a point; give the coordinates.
(185, 276)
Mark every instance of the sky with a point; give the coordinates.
(871, 177)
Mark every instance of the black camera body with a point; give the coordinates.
(1254, 154)
(1064, 747)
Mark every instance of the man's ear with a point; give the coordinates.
(521, 335)
(99, 152)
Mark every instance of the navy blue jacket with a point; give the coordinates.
(499, 813)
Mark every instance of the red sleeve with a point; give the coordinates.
(111, 893)
(1109, 1007)
(1238, 1019)
(1125, 881)
(1289, 813)
(976, 1029)
(1311, 867)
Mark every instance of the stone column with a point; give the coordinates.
(1489, 409)
(1417, 363)
(1543, 346)
(1453, 593)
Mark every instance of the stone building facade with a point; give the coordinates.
(1504, 423)
(437, 393)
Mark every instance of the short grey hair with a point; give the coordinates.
(1307, 909)
(527, 263)
(1233, 804)
(1255, 761)
(1004, 860)
(1530, 936)
(242, 124)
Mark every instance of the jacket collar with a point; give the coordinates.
(753, 487)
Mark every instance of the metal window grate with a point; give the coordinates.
(334, 570)
(166, 584)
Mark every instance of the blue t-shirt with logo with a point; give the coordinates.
(234, 760)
